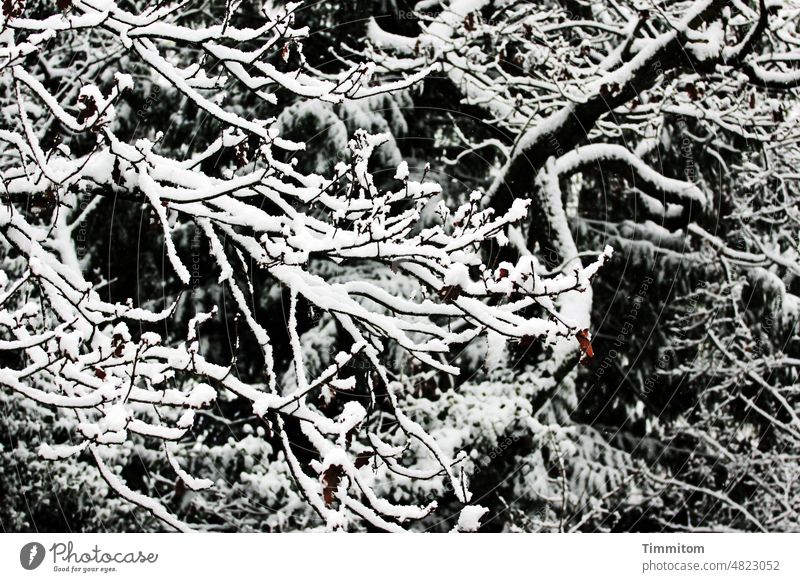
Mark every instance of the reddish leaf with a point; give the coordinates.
(63, 4)
(608, 90)
(100, 373)
(285, 53)
(12, 8)
(527, 31)
(331, 478)
(450, 293)
(502, 273)
(363, 459)
(241, 154)
(350, 435)
(426, 388)
(585, 344)
(469, 22)
(89, 108)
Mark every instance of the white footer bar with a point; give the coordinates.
(388, 558)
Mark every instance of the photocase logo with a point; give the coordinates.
(31, 555)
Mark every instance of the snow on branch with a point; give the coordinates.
(67, 147)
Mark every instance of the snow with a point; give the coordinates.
(469, 519)
(124, 81)
(121, 330)
(709, 44)
(403, 358)
(402, 171)
(151, 338)
(186, 420)
(69, 344)
(201, 395)
(57, 452)
(115, 418)
(457, 274)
